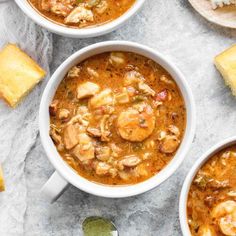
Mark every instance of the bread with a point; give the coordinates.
(2, 185)
(226, 64)
(18, 74)
(221, 3)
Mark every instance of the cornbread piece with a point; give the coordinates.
(221, 3)
(2, 185)
(226, 64)
(18, 74)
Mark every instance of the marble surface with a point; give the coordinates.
(175, 29)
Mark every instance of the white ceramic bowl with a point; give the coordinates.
(189, 178)
(66, 172)
(78, 33)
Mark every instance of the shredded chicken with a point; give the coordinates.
(101, 7)
(60, 8)
(87, 89)
(63, 114)
(133, 77)
(103, 98)
(55, 134)
(144, 88)
(123, 97)
(79, 14)
(117, 58)
(45, 5)
(74, 72)
(103, 153)
(92, 72)
(79, 119)
(94, 132)
(174, 130)
(102, 168)
(204, 180)
(84, 150)
(104, 127)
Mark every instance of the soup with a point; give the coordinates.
(117, 118)
(212, 197)
(82, 13)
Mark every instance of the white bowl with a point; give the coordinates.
(67, 172)
(78, 33)
(189, 178)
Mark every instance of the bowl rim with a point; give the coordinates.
(78, 33)
(190, 176)
(105, 190)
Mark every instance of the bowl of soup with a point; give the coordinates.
(80, 18)
(208, 197)
(116, 119)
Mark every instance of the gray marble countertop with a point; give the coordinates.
(176, 30)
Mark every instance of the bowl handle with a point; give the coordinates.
(54, 187)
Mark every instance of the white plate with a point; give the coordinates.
(225, 16)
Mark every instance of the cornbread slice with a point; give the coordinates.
(226, 64)
(18, 74)
(221, 3)
(2, 185)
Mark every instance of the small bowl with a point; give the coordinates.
(64, 173)
(78, 33)
(189, 179)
